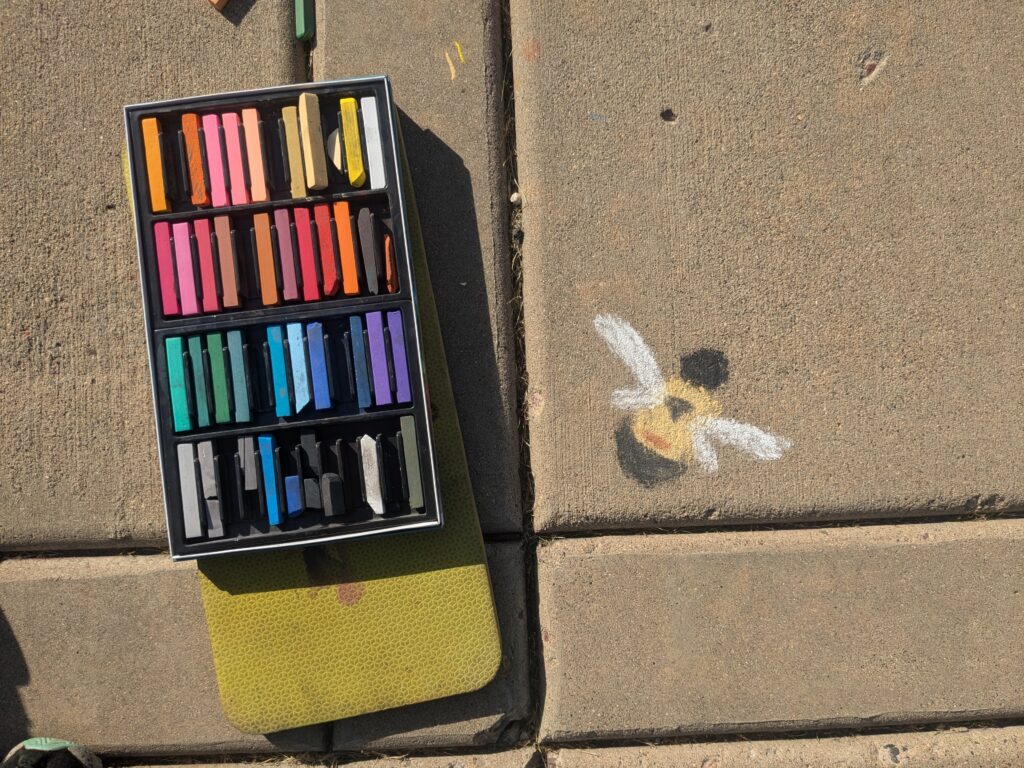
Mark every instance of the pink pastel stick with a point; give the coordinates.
(215, 159)
(211, 302)
(165, 268)
(233, 146)
(284, 248)
(186, 276)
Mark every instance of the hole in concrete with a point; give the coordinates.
(668, 115)
(706, 27)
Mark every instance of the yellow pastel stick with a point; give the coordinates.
(353, 146)
(312, 141)
(291, 133)
(155, 165)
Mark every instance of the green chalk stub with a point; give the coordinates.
(305, 20)
(215, 348)
(195, 354)
(176, 381)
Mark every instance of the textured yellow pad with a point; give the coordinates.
(308, 635)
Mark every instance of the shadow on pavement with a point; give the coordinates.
(13, 674)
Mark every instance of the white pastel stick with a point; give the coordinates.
(374, 150)
(189, 491)
(371, 474)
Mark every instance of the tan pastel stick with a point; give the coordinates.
(312, 141)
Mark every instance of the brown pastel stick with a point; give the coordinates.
(219, 4)
(265, 257)
(226, 258)
(196, 175)
(390, 268)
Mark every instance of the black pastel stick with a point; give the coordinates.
(370, 246)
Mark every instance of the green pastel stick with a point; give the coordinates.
(305, 19)
(195, 353)
(176, 379)
(215, 348)
(238, 377)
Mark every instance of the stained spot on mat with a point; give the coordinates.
(668, 115)
(326, 571)
(531, 50)
(870, 65)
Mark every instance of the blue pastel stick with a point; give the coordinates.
(293, 494)
(238, 386)
(378, 358)
(270, 479)
(279, 371)
(355, 324)
(318, 366)
(300, 379)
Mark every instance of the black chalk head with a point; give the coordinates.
(705, 368)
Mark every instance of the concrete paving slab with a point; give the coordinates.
(960, 748)
(519, 758)
(493, 716)
(669, 635)
(112, 652)
(826, 195)
(76, 415)
(444, 60)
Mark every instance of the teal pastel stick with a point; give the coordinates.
(176, 381)
(195, 354)
(279, 371)
(300, 377)
(355, 324)
(238, 376)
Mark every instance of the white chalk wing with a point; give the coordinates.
(630, 348)
(708, 433)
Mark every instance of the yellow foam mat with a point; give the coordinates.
(309, 635)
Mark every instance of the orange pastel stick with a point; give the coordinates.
(154, 165)
(390, 269)
(194, 155)
(254, 149)
(265, 256)
(349, 270)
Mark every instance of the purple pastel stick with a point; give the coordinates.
(378, 358)
(403, 393)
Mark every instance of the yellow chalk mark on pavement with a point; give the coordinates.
(451, 67)
(458, 49)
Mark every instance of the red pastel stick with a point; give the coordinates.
(328, 259)
(165, 268)
(211, 301)
(307, 260)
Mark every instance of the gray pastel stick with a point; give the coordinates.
(247, 455)
(211, 490)
(189, 491)
(311, 456)
(333, 495)
(371, 474)
(412, 462)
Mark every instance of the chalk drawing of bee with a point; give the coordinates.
(676, 422)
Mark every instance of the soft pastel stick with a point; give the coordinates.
(239, 376)
(294, 147)
(318, 366)
(374, 150)
(370, 247)
(371, 474)
(226, 259)
(211, 489)
(165, 268)
(266, 443)
(254, 151)
(297, 353)
(347, 249)
(219, 377)
(328, 254)
(359, 362)
(236, 163)
(194, 156)
(410, 453)
(353, 145)
(307, 258)
(293, 495)
(390, 266)
(265, 257)
(215, 160)
(182, 233)
(195, 356)
(403, 392)
(289, 282)
(204, 245)
(313, 156)
(154, 165)
(378, 358)
(175, 352)
(279, 371)
(189, 491)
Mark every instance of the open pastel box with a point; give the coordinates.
(281, 318)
